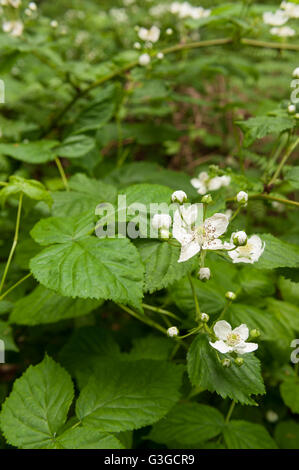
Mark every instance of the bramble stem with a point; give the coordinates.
(197, 308)
(62, 173)
(14, 243)
(230, 411)
(161, 310)
(289, 151)
(15, 285)
(144, 319)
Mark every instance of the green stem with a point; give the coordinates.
(269, 45)
(235, 214)
(197, 308)
(230, 412)
(3, 183)
(15, 285)
(14, 243)
(143, 319)
(289, 151)
(62, 173)
(161, 310)
(269, 198)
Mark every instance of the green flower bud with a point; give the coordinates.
(255, 333)
(239, 361)
(226, 362)
(230, 295)
(207, 199)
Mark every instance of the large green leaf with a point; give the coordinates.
(83, 266)
(75, 146)
(278, 254)
(161, 264)
(32, 152)
(6, 335)
(258, 127)
(31, 188)
(289, 390)
(238, 383)
(45, 306)
(188, 424)
(245, 435)
(84, 437)
(128, 395)
(37, 407)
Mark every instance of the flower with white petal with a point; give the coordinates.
(249, 253)
(283, 32)
(242, 197)
(195, 236)
(278, 18)
(151, 34)
(291, 9)
(229, 340)
(172, 331)
(204, 274)
(15, 28)
(179, 196)
(204, 183)
(144, 59)
(161, 221)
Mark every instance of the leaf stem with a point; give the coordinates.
(14, 244)
(15, 285)
(62, 173)
(161, 310)
(230, 412)
(289, 151)
(197, 308)
(144, 319)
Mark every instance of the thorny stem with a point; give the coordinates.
(289, 151)
(15, 285)
(14, 244)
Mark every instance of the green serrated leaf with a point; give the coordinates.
(245, 435)
(289, 390)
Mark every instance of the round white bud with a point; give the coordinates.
(137, 45)
(240, 238)
(271, 416)
(296, 72)
(160, 55)
(32, 6)
(291, 109)
(230, 295)
(242, 197)
(144, 59)
(179, 196)
(169, 31)
(204, 274)
(204, 317)
(54, 24)
(172, 331)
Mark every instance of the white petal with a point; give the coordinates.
(215, 183)
(189, 214)
(221, 346)
(213, 245)
(242, 331)
(179, 230)
(219, 222)
(244, 348)
(196, 183)
(222, 329)
(188, 251)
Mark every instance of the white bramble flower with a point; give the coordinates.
(283, 32)
(242, 197)
(239, 238)
(144, 59)
(291, 9)
(15, 28)
(249, 253)
(179, 196)
(204, 183)
(204, 274)
(161, 221)
(151, 34)
(185, 10)
(119, 15)
(172, 331)
(278, 18)
(32, 6)
(204, 236)
(229, 340)
(296, 72)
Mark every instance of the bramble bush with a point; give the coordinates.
(149, 260)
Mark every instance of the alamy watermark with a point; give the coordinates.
(2, 352)
(295, 353)
(2, 91)
(135, 220)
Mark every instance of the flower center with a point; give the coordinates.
(246, 250)
(233, 339)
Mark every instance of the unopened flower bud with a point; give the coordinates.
(271, 416)
(255, 333)
(296, 72)
(137, 45)
(172, 331)
(144, 59)
(296, 116)
(239, 361)
(179, 196)
(230, 295)
(226, 362)
(240, 238)
(242, 197)
(160, 55)
(207, 199)
(204, 317)
(169, 31)
(291, 109)
(32, 6)
(204, 274)
(165, 234)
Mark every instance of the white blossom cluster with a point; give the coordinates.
(279, 18)
(185, 10)
(204, 183)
